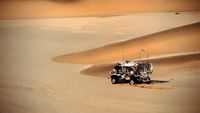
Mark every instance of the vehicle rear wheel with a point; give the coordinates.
(132, 82)
(114, 80)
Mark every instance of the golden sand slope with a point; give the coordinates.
(162, 66)
(31, 83)
(178, 40)
(12, 9)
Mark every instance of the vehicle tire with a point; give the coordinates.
(114, 80)
(132, 82)
(148, 80)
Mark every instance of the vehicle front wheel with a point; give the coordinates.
(148, 80)
(132, 82)
(114, 80)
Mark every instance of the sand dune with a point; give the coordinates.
(32, 83)
(18, 9)
(163, 65)
(175, 54)
(177, 40)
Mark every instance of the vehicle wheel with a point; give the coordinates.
(148, 80)
(132, 82)
(114, 80)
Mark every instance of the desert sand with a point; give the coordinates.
(31, 82)
(18, 9)
(162, 43)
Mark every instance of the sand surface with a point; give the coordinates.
(30, 82)
(20, 9)
(177, 40)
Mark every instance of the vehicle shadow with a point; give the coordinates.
(158, 81)
(151, 82)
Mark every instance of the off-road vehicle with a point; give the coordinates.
(132, 71)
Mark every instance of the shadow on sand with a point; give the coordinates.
(154, 84)
(151, 82)
(158, 81)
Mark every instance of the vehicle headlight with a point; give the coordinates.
(131, 72)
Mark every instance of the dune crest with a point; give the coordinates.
(178, 40)
(179, 61)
